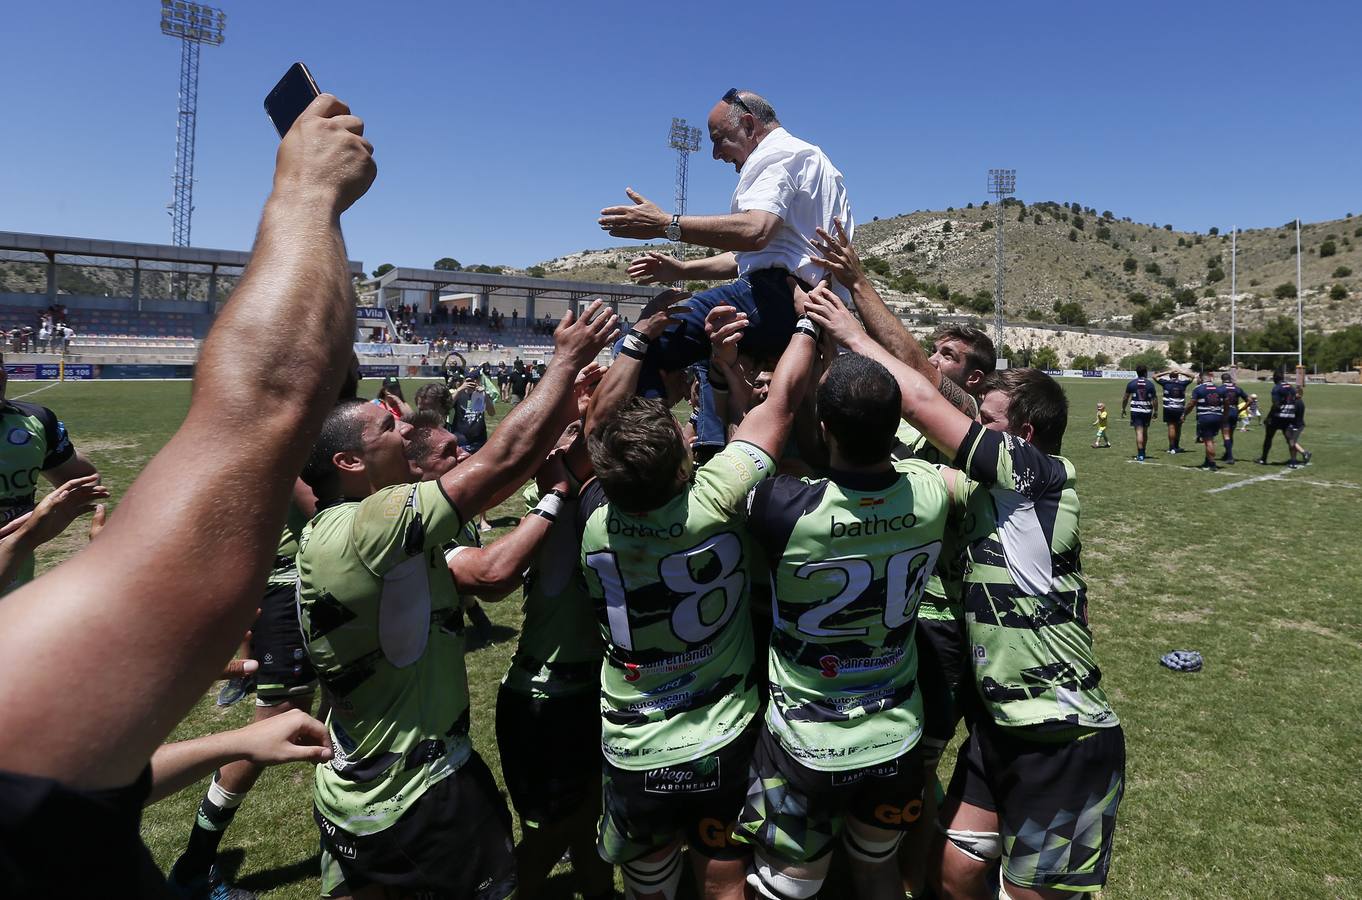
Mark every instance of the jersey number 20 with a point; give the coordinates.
(905, 578)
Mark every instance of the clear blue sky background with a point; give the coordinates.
(502, 128)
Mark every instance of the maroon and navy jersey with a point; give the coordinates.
(1142, 395)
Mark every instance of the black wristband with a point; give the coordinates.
(808, 326)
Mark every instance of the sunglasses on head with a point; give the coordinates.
(732, 97)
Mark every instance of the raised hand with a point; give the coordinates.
(826, 309)
(324, 157)
(655, 268)
(579, 340)
(642, 220)
(62, 506)
(291, 737)
(585, 386)
(663, 310)
(725, 326)
(839, 257)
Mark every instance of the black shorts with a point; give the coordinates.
(277, 644)
(550, 754)
(941, 655)
(454, 842)
(1172, 416)
(797, 813)
(1140, 420)
(698, 802)
(1208, 429)
(1047, 794)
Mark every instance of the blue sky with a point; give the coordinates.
(502, 128)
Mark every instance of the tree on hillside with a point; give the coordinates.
(1342, 272)
(1214, 231)
(1071, 313)
(383, 270)
(1046, 358)
(1130, 264)
(1328, 248)
(1284, 290)
(1208, 351)
(1338, 292)
(1142, 320)
(447, 264)
(1152, 358)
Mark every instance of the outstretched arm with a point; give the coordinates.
(643, 219)
(923, 405)
(524, 437)
(162, 597)
(659, 268)
(886, 329)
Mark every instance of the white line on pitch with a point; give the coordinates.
(38, 391)
(1274, 476)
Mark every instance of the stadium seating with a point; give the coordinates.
(101, 327)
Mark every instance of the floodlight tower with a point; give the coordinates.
(1001, 183)
(193, 24)
(685, 140)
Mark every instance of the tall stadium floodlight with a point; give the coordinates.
(193, 24)
(685, 140)
(1300, 332)
(1001, 183)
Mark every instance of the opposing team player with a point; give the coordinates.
(667, 567)
(1038, 783)
(1174, 383)
(849, 557)
(1210, 416)
(1233, 395)
(384, 630)
(1139, 397)
(1281, 417)
(35, 441)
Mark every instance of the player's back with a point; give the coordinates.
(850, 559)
(1142, 393)
(670, 587)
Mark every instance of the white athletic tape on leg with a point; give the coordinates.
(653, 877)
(864, 850)
(773, 883)
(982, 845)
(223, 799)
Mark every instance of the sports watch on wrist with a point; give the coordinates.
(673, 230)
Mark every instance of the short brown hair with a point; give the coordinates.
(637, 453)
(1036, 399)
(979, 350)
(432, 396)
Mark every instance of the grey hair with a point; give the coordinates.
(756, 104)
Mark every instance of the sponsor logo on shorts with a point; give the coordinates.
(885, 770)
(889, 814)
(696, 778)
(716, 834)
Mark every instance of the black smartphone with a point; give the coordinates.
(290, 97)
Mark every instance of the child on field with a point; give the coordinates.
(1101, 423)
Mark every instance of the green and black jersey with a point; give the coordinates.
(850, 558)
(285, 569)
(942, 598)
(1026, 603)
(559, 653)
(382, 625)
(670, 588)
(34, 441)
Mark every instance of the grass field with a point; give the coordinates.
(1242, 779)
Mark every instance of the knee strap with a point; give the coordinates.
(980, 845)
(662, 876)
(863, 849)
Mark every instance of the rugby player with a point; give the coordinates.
(1139, 397)
(962, 357)
(1210, 416)
(162, 596)
(384, 630)
(1174, 383)
(1233, 394)
(849, 556)
(34, 441)
(1044, 765)
(1281, 417)
(666, 563)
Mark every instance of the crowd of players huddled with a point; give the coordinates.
(1218, 410)
(747, 637)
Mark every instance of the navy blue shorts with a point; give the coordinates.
(1140, 420)
(1208, 429)
(1172, 416)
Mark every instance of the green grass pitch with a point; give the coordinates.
(1242, 779)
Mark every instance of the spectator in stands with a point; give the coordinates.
(67, 332)
(515, 318)
(44, 335)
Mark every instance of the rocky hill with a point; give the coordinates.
(1069, 263)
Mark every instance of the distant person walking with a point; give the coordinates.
(1281, 417)
(1210, 416)
(1233, 395)
(1139, 397)
(1174, 383)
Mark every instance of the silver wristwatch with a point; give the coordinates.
(674, 229)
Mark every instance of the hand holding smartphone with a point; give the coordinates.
(290, 97)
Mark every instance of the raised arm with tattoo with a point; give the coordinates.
(163, 595)
(843, 263)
